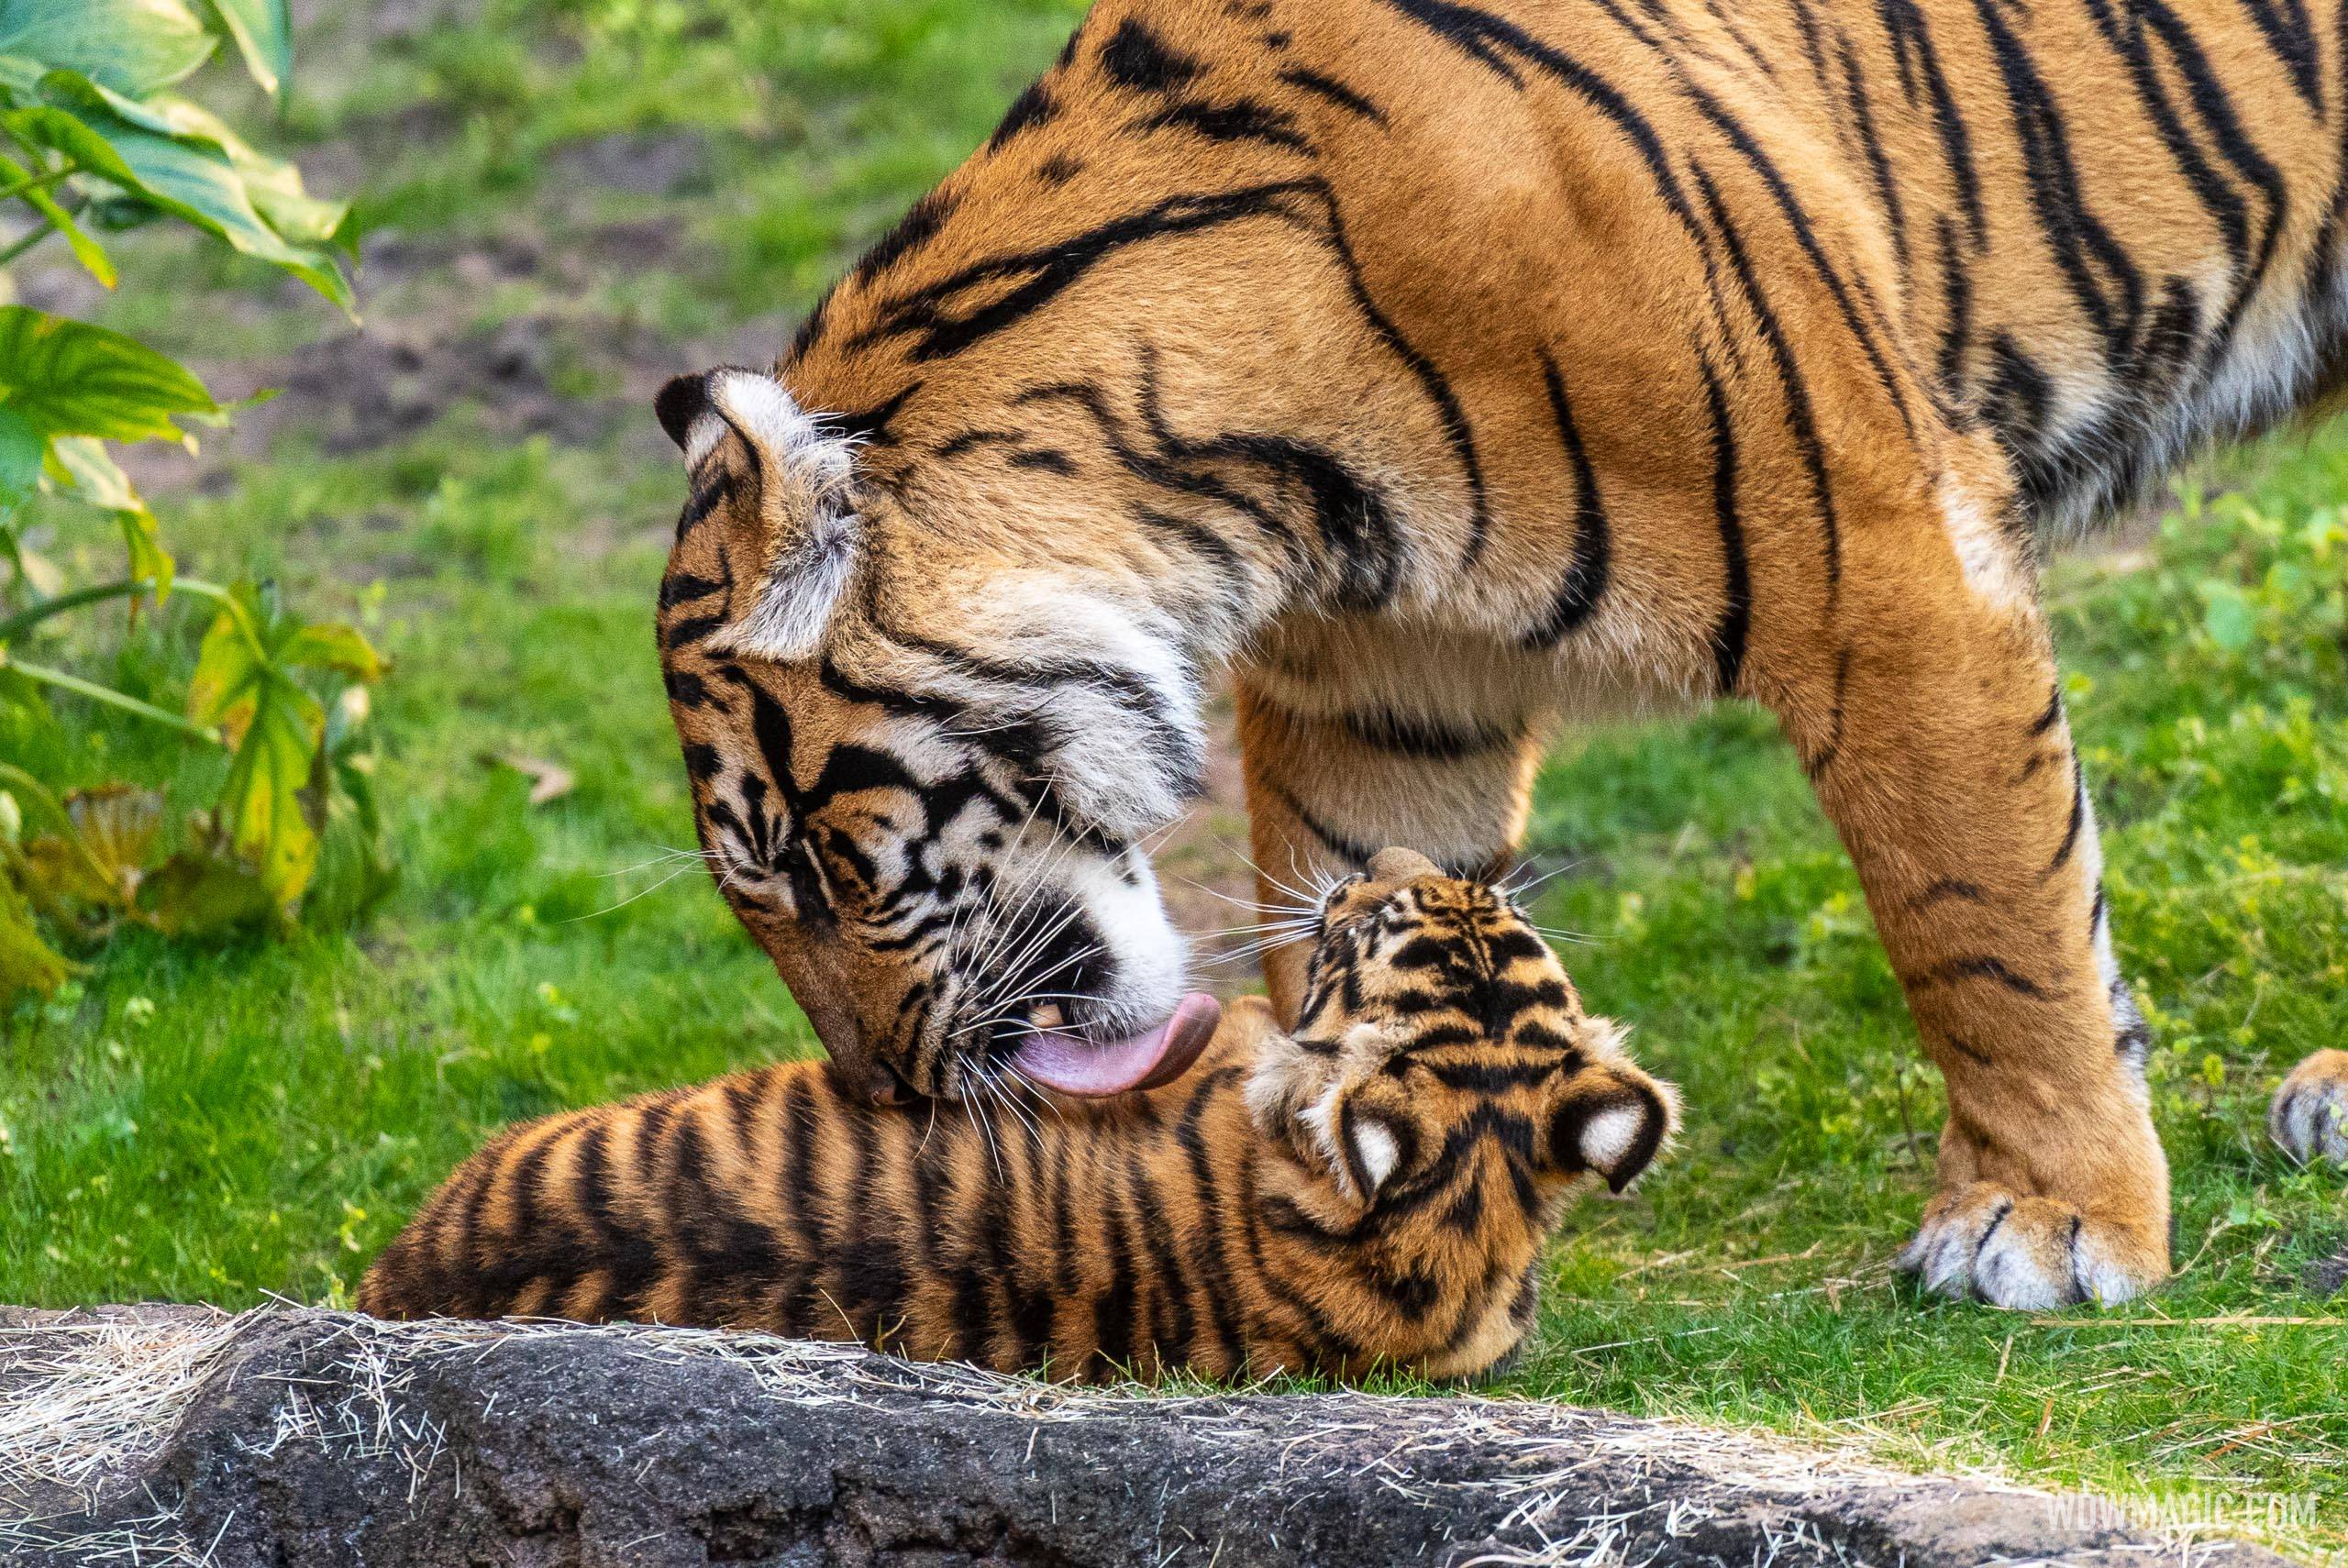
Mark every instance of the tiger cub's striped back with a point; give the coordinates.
(1375, 1189)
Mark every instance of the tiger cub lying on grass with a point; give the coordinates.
(1374, 1190)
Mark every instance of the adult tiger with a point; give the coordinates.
(1439, 368)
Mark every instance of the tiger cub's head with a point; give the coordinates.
(1441, 1046)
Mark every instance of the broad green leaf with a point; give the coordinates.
(61, 130)
(21, 446)
(264, 33)
(67, 378)
(180, 158)
(274, 184)
(131, 46)
(111, 212)
(197, 181)
(91, 99)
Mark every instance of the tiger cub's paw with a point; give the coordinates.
(2310, 1114)
(1990, 1243)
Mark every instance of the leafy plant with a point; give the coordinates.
(93, 139)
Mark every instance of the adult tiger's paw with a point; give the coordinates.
(2310, 1114)
(1993, 1244)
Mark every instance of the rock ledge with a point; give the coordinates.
(287, 1439)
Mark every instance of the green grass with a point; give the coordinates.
(228, 1123)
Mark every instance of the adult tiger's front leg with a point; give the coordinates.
(1934, 729)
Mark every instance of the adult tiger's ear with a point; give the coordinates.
(680, 402)
(782, 482)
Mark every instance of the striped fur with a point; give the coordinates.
(1374, 1190)
(1444, 368)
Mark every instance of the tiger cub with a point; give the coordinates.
(1374, 1190)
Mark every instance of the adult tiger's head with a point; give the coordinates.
(922, 779)
(1441, 1047)
(1107, 405)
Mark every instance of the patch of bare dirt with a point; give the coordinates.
(641, 163)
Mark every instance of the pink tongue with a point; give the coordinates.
(1096, 1069)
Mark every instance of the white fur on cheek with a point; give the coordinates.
(1147, 959)
(1611, 1135)
(1111, 764)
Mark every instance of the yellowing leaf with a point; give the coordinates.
(273, 801)
(87, 873)
(27, 963)
(332, 645)
(142, 541)
(117, 824)
(261, 808)
(228, 670)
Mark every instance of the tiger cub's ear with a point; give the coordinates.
(789, 505)
(1374, 1147)
(1610, 1118)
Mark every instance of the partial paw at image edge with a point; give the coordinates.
(2309, 1116)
